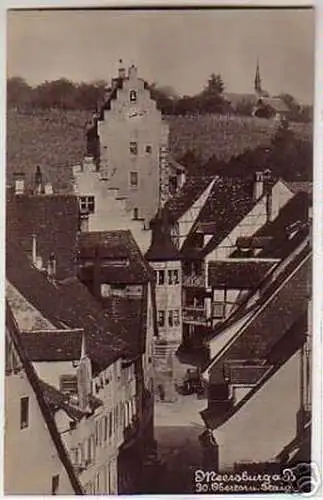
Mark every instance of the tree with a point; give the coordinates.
(19, 93)
(244, 107)
(215, 84)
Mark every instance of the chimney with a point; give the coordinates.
(121, 71)
(84, 377)
(51, 266)
(258, 186)
(34, 249)
(36, 259)
(132, 72)
(19, 180)
(48, 188)
(38, 181)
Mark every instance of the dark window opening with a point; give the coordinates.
(133, 179)
(148, 149)
(55, 484)
(161, 318)
(135, 213)
(133, 96)
(87, 204)
(24, 412)
(133, 148)
(161, 278)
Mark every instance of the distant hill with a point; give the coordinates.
(54, 139)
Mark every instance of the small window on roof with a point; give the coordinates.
(68, 384)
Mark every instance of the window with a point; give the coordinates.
(87, 204)
(135, 213)
(218, 310)
(24, 412)
(55, 484)
(133, 179)
(105, 428)
(110, 424)
(105, 290)
(148, 149)
(170, 318)
(133, 96)
(176, 317)
(161, 318)
(160, 277)
(173, 277)
(133, 148)
(97, 433)
(68, 384)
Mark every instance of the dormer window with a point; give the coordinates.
(133, 96)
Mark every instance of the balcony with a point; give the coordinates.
(195, 315)
(194, 280)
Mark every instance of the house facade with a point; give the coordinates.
(258, 357)
(208, 217)
(31, 441)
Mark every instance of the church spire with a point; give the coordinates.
(258, 88)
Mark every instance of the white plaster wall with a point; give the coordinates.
(266, 423)
(255, 219)
(30, 455)
(51, 371)
(116, 132)
(169, 297)
(186, 221)
(110, 213)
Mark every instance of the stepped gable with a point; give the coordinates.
(53, 219)
(229, 202)
(162, 247)
(67, 305)
(121, 259)
(44, 408)
(244, 274)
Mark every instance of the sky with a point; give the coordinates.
(176, 48)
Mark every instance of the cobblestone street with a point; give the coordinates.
(177, 427)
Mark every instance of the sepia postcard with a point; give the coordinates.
(159, 212)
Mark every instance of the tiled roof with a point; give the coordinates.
(187, 195)
(275, 103)
(228, 203)
(56, 401)
(162, 247)
(242, 274)
(280, 303)
(46, 413)
(114, 245)
(292, 215)
(66, 305)
(130, 314)
(54, 221)
(55, 345)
